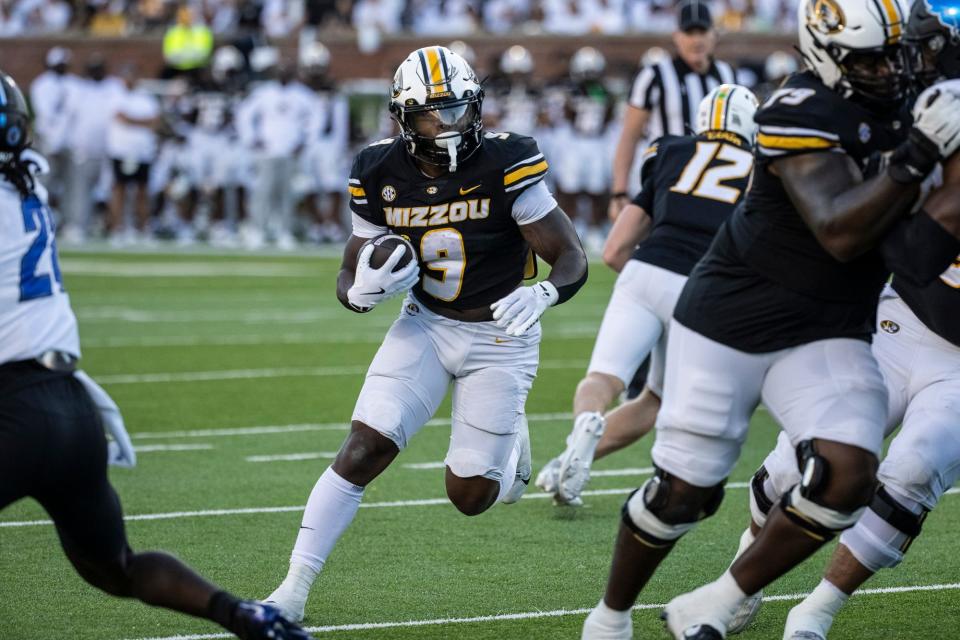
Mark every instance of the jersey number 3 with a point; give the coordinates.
(706, 182)
(442, 251)
(36, 219)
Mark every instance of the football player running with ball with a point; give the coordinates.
(917, 345)
(52, 444)
(781, 308)
(691, 185)
(473, 205)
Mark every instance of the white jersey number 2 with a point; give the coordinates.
(33, 285)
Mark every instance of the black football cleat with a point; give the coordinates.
(257, 621)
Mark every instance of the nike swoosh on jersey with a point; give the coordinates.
(464, 192)
(500, 340)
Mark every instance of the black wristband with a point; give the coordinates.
(566, 291)
(619, 194)
(913, 160)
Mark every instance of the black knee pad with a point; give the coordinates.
(901, 519)
(657, 521)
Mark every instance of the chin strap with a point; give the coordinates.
(449, 141)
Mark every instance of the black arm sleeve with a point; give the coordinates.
(567, 291)
(918, 249)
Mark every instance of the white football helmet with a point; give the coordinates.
(854, 46)
(587, 62)
(779, 65)
(729, 107)
(226, 60)
(314, 56)
(436, 101)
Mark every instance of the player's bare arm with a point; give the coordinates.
(348, 268)
(847, 215)
(554, 239)
(634, 128)
(631, 227)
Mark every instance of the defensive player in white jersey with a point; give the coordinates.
(917, 345)
(52, 445)
(674, 219)
(473, 206)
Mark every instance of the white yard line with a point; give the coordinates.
(373, 336)
(292, 457)
(392, 504)
(185, 269)
(296, 428)
(555, 613)
(150, 448)
(276, 372)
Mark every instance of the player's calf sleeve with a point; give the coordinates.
(331, 508)
(885, 530)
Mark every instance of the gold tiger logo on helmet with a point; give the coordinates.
(825, 16)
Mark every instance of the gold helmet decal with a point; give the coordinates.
(825, 16)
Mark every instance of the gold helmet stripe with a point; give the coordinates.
(719, 109)
(436, 69)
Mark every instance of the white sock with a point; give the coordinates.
(510, 471)
(746, 539)
(608, 617)
(331, 508)
(727, 593)
(826, 598)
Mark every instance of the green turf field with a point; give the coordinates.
(237, 376)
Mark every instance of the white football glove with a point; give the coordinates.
(518, 311)
(373, 286)
(120, 451)
(936, 115)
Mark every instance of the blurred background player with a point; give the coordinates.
(273, 123)
(673, 219)
(324, 158)
(516, 103)
(132, 148)
(580, 146)
(52, 445)
(474, 206)
(666, 94)
(91, 176)
(51, 95)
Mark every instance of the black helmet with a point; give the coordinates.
(14, 120)
(933, 40)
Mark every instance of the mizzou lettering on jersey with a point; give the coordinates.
(691, 185)
(469, 246)
(438, 214)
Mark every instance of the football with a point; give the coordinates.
(383, 247)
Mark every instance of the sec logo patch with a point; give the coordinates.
(889, 326)
(388, 193)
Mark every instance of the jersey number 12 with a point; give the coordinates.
(36, 219)
(707, 182)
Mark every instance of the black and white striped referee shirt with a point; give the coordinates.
(672, 91)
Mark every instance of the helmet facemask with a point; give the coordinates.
(443, 133)
(875, 77)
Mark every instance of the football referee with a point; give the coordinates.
(666, 93)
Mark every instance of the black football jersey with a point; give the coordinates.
(766, 283)
(937, 304)
(461, 224)
(691, 185)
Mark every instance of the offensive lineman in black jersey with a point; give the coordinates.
(917, 346)
(781, 309)
(691, 185)
(473, 206)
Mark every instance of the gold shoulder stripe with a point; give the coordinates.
(357, 192)
(523, 172)
(794, 142)
(651, 150)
